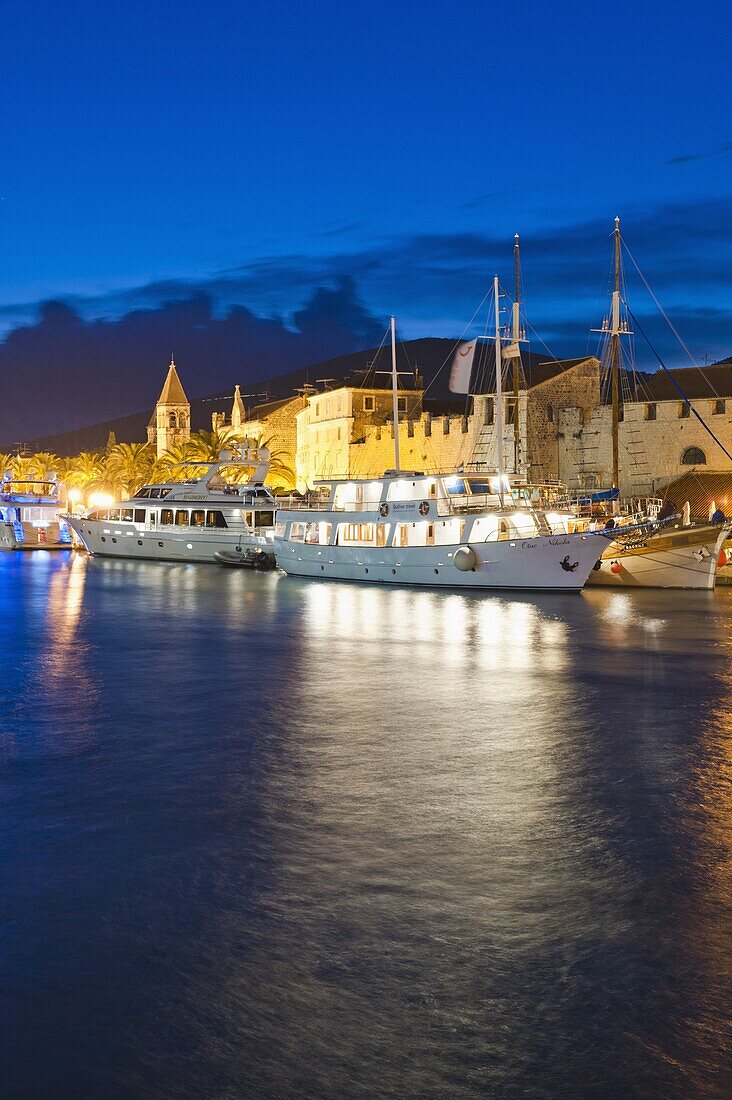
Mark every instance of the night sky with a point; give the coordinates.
(275, 179)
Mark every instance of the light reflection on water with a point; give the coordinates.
(264, 837)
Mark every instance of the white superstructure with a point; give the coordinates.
(445, 531)
(30, 515)
(190, 519)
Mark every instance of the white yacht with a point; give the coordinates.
(445, 531)
(31, 515)
(192, 519)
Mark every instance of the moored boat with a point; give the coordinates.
(451, 530)
(193, 519)
(31, 515)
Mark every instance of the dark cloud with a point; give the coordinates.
(88, 359)
(64, 371)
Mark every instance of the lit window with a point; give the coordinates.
(368, 404)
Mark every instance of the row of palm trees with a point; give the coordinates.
(121, 468)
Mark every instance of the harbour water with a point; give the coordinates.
(263, 837)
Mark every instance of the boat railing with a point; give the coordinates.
(446, 505)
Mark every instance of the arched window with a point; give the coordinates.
(693, 456)
(550, 413)
(171, 421)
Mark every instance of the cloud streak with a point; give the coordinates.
(99, 357)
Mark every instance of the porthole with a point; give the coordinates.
(103, 539)
(114, 540)
(189, 546)
(160, 544)
(437, 570)
(394, 571)
(322, 568)
(139, 542)
(365, 570)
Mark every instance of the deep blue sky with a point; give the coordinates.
(257, 152)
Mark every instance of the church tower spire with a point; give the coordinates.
(170, 424)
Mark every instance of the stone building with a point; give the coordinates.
(170, 423)
(659, 436)
(348, 431)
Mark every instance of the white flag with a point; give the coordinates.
(462, 366)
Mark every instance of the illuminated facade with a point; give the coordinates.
(170, 424)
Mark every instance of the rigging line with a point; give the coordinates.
(451, 353)
(677, 387)
(668, 320)
(371, 368)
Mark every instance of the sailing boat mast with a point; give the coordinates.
(498, 419)
(515, 337)
(394, 397)
(614, 357)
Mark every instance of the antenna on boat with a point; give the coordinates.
(394, 397)
(499, 392)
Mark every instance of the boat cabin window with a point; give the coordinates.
(166, 515)
(181, 518)
(359, 533)
(263, 519)
(215, 519)
(139, 515)
(198, 518)
(127, 515)
(297, 532)
(143, 494)
(114, 514)
(455, 485)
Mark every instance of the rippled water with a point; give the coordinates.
(263, 837)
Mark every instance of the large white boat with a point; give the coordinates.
(192, 519)
(443, 531)
(31, 515)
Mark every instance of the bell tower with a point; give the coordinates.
(171, 421)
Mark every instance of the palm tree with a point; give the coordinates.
(207, 446)
(281, 474)
(129, 465)
(86, 472)
(42, 464)
(6, 461)
(167, 466)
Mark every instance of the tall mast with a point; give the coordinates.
(498, 418)
(614, 356)
(515, 337)
(395, 399)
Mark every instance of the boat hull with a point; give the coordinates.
(523, 564)
(684, 558)
(124, 540)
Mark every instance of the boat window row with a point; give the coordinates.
(169, 517)
(152, 492)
